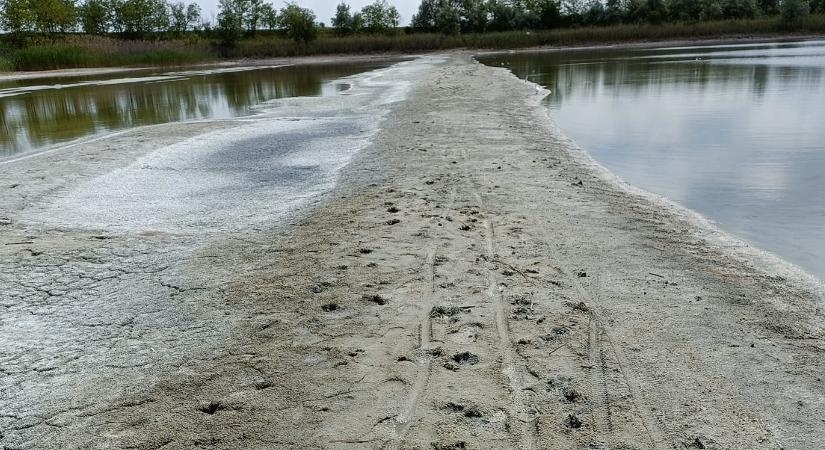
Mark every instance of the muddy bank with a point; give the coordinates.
(659, 43)
(304, 60)
(471, 281)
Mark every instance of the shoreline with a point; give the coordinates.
(473, 279)
(244, 62)
(665, 43)
(379, 56)
(766, 260)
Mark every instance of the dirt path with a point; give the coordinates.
(472, 282)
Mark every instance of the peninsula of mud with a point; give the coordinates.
(424, 261)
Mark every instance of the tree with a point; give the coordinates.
(793, 11)
(710, 10)
(231, 19)
(474, 16)
(53, 15)
(424, 19)
(380, 17)
(94, 17)
(547, 13)
(253, 15)
(298, 23)
(739, 9)
(16, 16)
(269, 17)
(448, 19)
(342, 20)
(769, 7)
(177, 15)
(193, 16)
(615, 11)
(139, 17)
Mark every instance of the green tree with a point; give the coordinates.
(138, 17)
(231, 19)
(474, 16)
(193, 16)
(177, 17)
(739, 9)
(448, 19)
(710, 10)
(547, 13)
(615, 11)
(342, 20)
(51, 16)
(424, 19)
(298, 23)
(253, 15)
(793, 11)
(684, 10)
(94, 16)
(380, 17)
(269, 17)
(16, 16)
(769, 7)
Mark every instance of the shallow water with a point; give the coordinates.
(735, 132)
(36, 113)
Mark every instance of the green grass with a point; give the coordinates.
(89, 51)
(69, 57)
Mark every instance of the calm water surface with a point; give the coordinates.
(736, 132)
(40, 112)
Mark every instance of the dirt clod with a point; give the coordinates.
(374, 298)
(210, 408)
(466, 358)
(573, 422)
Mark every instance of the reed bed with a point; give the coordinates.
(75, 51)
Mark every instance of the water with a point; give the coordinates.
(40, 112)
(735, 132)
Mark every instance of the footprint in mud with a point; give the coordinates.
(263, 384)
(458, 445)
(580, 306)
(374, 298)
(210, 407)
(573, 422)
(571, 395)
(471, 411)
(466, 358)
(441, 312)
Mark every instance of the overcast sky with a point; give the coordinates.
(324, 9)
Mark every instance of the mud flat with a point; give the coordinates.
(464, 277)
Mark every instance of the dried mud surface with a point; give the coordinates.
(471, 282)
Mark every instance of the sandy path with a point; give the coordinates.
(472, 282)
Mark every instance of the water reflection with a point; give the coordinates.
(735, 131)
(36, 113)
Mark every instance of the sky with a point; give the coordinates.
(324, 9)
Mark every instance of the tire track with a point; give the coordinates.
(654, 427)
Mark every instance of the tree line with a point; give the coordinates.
(130, 17)
(478, 16)
(239, 18)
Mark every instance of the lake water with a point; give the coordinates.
(735, 132)
(40, 112)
